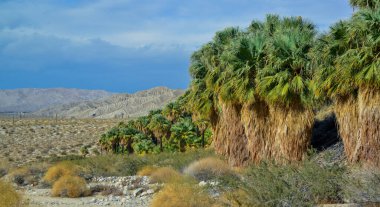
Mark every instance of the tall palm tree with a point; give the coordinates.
(160, 127)
(172, 111)
(285, 84)
(354, 83)
(202, 125)
(141, 124)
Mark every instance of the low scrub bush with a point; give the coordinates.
(147, 171)
(8, 196)
(290, 185)
(182, 195)
(59, 170)
(124, 165)
(165, 175)
(208, 168)
(70, 186)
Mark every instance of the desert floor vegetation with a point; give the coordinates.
(208, 168)
(184, 195)
(59, 170)
(165, 175)
(70, 186)
(8, 196)
(28, 140)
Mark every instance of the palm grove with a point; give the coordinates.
(257, 90)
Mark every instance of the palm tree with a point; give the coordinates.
(160, 127)
(183, 133)
(356, 87)
(126, 135)
(172, 111)
(141, 124)
(202, 125)
(285, 84)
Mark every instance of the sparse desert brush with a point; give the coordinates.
(147, 171)
(181, 195)
(208, 168)
(8, 196)
(70, 186)
(165, 175)
(59, 170)
(307, 184)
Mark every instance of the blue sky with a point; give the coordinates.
(126, 45)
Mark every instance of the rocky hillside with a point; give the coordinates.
(116, 106)
(32, 99)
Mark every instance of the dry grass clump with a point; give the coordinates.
(208, 168)
(70, 186)
(165, 175)
(8, 196)
(181, 195)
(147, 171)
(61, 169)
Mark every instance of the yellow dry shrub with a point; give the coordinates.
(70, 186)
(208, 168)
(165, 175)
(60, 170)
(147, 171)
(8, 196)
(181, 195)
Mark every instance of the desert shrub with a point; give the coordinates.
(290, 185)
(123, 165)
(184, 195)
(165, 175)
(70, 186)
(208, 168)
(147, 171)
(8, 196)
(60, 170)
(110, 165)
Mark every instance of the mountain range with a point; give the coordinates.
(78, 103)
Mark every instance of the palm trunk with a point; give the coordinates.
(290, 129)
(369, 126)
(255, 119)
(346, 111)
(229, 136)
(203, 138)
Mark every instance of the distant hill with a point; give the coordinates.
(33, 99)
(118, 105)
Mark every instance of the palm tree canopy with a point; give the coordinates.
(365, 3)
(286, 76)
(350, 55)
(159, 125)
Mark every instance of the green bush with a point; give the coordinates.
(290, 185)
